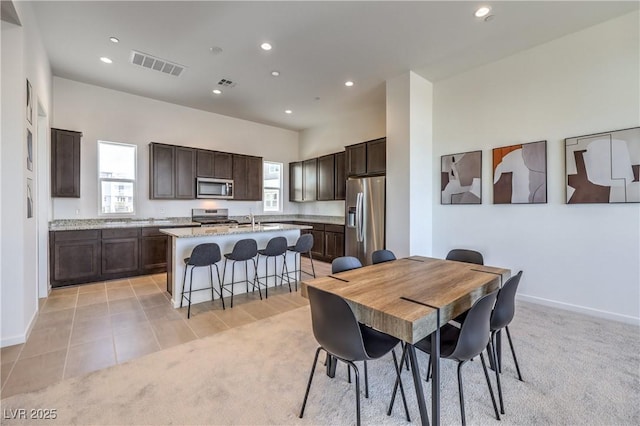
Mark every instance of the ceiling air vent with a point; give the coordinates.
(153, 63)
(226, 83)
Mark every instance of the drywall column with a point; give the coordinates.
(409, 165)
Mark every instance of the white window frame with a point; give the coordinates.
(115, 180)
(267, 166)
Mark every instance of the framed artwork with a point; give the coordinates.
(29, 103)
(604, 167)
(29, 198)
(461, 178)
(520, 174)
(29, 150)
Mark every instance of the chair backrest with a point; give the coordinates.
(345, 263)
(304, 243)
(505, 307)
(464, 255)
(380, 256)
(205, 254)
(475, 333)
(276, 246)
(335, 326)
(244, 249)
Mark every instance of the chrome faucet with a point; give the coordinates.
(252, 219)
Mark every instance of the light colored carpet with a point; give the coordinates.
(577, 370)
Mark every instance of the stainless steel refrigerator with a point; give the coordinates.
(364, 217)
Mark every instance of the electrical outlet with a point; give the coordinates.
(77, 211)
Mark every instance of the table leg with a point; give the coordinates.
(417, 381)
(435, 374)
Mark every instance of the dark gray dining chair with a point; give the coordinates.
(345, 263)
(501, 317)
(303, 245)
(465, 255)
(340, 335)
(380, 256)
(207, 254)
(465, 343)
(243, 251)
(276, 247)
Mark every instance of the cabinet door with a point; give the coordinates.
(153, 254)
(223, 165)
(326, 178)
(185, 174)
(65, 163)
(162, 179)
(334, 245)
(205, 163)
(309, 180)
(295, 181)
(317, 251)
(356, 159)
(119, 255)
(239, 177)
(377, 156)
(74, 257)
(254, 178)
(340, 178)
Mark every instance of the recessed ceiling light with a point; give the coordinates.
(217, 91)
(114, 40)
(288, 111)
(275, 73)
(106, 60)
(215, 50)
(482, 11)
(265, 46)
(348, 83)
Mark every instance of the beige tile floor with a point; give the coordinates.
(88, 327)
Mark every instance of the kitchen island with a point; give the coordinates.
(183, 240)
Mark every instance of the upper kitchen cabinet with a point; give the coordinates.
(340, 179)
(172, 172)
(295, 181)
(309, 183)
(326, 177)
(367, 158)
(65, 163)
(214, 164)
(247, 178)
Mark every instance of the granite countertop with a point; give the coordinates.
(171, 222)
(222, 230)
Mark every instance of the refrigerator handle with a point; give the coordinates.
(359, 224)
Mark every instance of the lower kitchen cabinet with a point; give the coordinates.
(120, 252)
(328, 240)
(75, 256)
(153, 251)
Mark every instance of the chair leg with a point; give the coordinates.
(220, 285)
(486, 376)
(513, 352)
(492, 355)
(184, 280)
(233, 279)
(357, 374)
(313, 367)
(190, 288)
(255, 277)
(366, 381)
(211, 282)
(460, 393)
(312, 268)
(428, 369)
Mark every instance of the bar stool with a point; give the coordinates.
(302, 246)
(276, 247)
(202, 255)
(243, 251)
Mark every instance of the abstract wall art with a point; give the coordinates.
(29, 103)
(603, 168)
(520, 174)
(461, 178)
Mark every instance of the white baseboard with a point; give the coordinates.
(580, 309)
(20, 338)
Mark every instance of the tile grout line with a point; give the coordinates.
(73, 319)
(147, 317)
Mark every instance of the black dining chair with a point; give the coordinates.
(465, 343)
(207, 254)
(345, 263)
(380, 256)
(340, 335)
(465, 255)
(501, 317)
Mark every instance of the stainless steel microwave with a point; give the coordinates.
(214, 188)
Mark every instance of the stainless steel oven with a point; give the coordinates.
(214, 188)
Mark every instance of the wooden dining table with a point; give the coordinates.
(411, 298)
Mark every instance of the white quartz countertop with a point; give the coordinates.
(230, 230)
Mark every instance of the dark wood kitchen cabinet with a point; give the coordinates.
(65, 163)
(340, 190)
(214, 164)
(367, 158)
(153, 250)
(326, 177)
(295, 181)
(247, 178)
(120, 252)
(75, 257)
(172, 172)
(333, 241)
(309, 181)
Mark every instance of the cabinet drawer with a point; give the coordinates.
(317, 226)
(89, 234)
(153, 231)
(334, 228)
(119, 233)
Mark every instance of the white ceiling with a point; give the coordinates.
(317, 46)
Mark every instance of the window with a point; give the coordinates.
(116, 178)
(272, 186)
